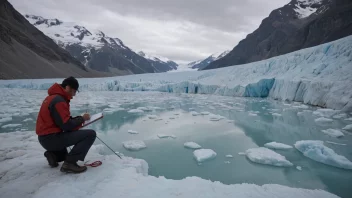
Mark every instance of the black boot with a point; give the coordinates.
(68, 167)
(51, 157)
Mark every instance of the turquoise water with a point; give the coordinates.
(168, 157)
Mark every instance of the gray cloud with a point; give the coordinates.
(182, 30)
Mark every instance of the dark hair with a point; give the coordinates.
(70, 81)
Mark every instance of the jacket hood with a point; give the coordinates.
(56, 89)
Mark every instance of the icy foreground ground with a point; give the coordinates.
(24, 173)
(320, 76)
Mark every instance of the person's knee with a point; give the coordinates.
(91, 133)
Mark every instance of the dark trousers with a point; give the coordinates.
(57, 143)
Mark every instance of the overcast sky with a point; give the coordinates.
(181, 30)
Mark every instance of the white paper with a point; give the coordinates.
(93, 118)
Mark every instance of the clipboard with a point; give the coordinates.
(92, 119)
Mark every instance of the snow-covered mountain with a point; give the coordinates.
(159, 62)
(297, 25)
(95, 49)
(200, 64)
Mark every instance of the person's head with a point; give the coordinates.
(70, 85)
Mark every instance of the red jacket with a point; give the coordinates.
(54, 114)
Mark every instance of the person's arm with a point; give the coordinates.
(60, 113)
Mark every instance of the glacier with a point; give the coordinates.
(319, 76)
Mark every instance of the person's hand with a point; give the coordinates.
(86, 116)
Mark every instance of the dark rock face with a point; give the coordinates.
(287, 29)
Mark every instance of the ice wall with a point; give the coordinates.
(320, 75)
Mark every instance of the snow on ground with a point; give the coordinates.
(166, 136)
(266, 156)
(319, 76)
(333, 132)
(132, 132)
(202, 155)
(348, 127)
(316, 150)
(276, 145)
(134, 145)
(28, 175)
(192, 145)
(323, 120)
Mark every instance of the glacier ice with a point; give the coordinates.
(202, 155)
(276, 145)
(310, 75)
(266, 156)
(315, 150)
(192, 145)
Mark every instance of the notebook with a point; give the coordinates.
(93, 118)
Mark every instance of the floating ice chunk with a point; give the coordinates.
(134, 145)
(27, 119)
(336, 143)
(192, 145)
(135, 111)
(227, 162)
(276, 114)
(340, 116)
(191, 109)
(229, 156)
(202, 155)
(349, 119)
(166, 136)
(263, 155)
(6, 119)
(216, 117)
(325, 112)
(133, 132)
(194, 113)
(299, 168)
(158, 119)
(10, 125)
(171, 118)
(252, 114)
(348, 127)
(144, 108)
(299, 113)
(276, 145)
(152, 116)
(323, 120)
(333, 132)
(315, 150)
(204, 113)
(242, 153)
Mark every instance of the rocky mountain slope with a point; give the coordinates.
(162, 64)
(26, 52)
(297, 25)
(95, 49)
